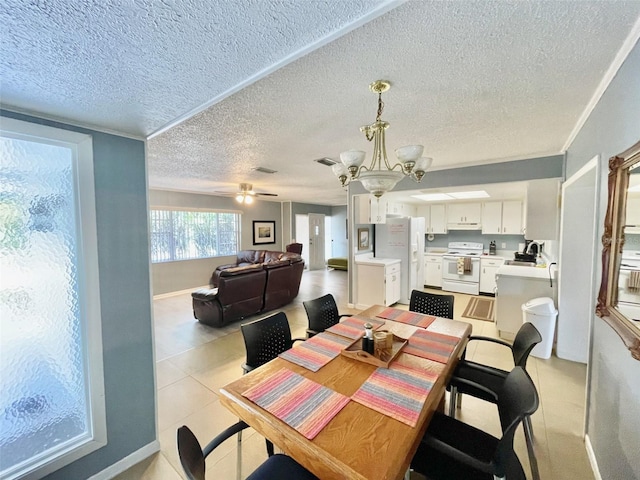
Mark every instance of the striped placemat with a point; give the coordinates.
(398, 392)
(431, 345)
(353, 327)
(403, 316)
(317, 351)
(299, 402)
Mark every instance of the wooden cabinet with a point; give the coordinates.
(542, 217)
(502, 218)
(433, 270)
(435, 218)
(464, 216)
(368, 209)
(378, 284)
(488, 268)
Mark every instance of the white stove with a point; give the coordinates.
(464, 249)
(461, 267)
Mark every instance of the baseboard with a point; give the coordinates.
(127, 462)
(179, 292)
(592, 458)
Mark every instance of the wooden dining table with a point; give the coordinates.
(358, 443)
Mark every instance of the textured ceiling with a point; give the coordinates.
(278, 84)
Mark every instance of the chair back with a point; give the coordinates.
(190, 453)
(517, 399)
(322, 313)
(295, 248)
(266, 338)
(527, 337)
(431, 304)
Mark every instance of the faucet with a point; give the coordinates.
(538, 247)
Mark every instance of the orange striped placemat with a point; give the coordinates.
(317, 351)
(398, 392)
(299, 402)
(410, 318)
(431, 345)
(353, 327)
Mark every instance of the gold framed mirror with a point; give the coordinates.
(619, 296)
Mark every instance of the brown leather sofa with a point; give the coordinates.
(260, 280)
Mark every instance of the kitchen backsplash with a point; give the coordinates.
(442, 241)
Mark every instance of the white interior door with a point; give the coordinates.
(302, 236)
(576, 297)
(316, 241)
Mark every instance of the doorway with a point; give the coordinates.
(577, 262)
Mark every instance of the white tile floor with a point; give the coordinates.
(194, 361)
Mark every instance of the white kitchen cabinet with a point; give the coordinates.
(542, 217)
(378, 283)
(433, 270)
(464, 216)
(492, 218)
(368, 209)
(435, 218)
(399, 208)
(502, 218)
(488, 268)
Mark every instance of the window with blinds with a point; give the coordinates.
(184, 235)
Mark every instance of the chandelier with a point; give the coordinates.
(380, 177)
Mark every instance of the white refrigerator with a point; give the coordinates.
(403, 238)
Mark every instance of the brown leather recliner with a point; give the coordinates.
(239, 292)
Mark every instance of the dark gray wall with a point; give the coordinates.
(183, 275)
(123, 255)
(614, 395)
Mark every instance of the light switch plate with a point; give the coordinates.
(504, 245)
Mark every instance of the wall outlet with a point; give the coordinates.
(504, 245)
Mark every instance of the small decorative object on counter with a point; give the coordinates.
(383, 344)
(492, 248)
(367, 340)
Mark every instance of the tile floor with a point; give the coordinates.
(194, 361)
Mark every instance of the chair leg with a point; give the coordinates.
(452, 401)
(528, 436)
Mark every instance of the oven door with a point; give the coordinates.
(452, 271)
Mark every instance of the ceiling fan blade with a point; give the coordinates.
(266, 194)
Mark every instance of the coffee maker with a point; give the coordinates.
(526, 256)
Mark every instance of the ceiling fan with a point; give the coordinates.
(245, 194)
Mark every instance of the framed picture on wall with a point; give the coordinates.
(363, 238)
(264, 232)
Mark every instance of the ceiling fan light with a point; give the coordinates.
(248, 200)
(240, 198)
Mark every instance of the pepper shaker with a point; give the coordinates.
(367, 340)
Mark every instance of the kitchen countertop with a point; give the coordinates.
(529, 272)
(377, 261)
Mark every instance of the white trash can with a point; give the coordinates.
(542, 314)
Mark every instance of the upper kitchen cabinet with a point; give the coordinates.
(435, 219)
(542, 210)
(399, 208)
(502, 218)
(464, 216)
(368, 209)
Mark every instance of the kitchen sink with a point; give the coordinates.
(520, 263)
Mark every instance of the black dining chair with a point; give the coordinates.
(431, 304)
(265, 339)
(192, 458)
(322, 313)
(468, 375)
(451, 449)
